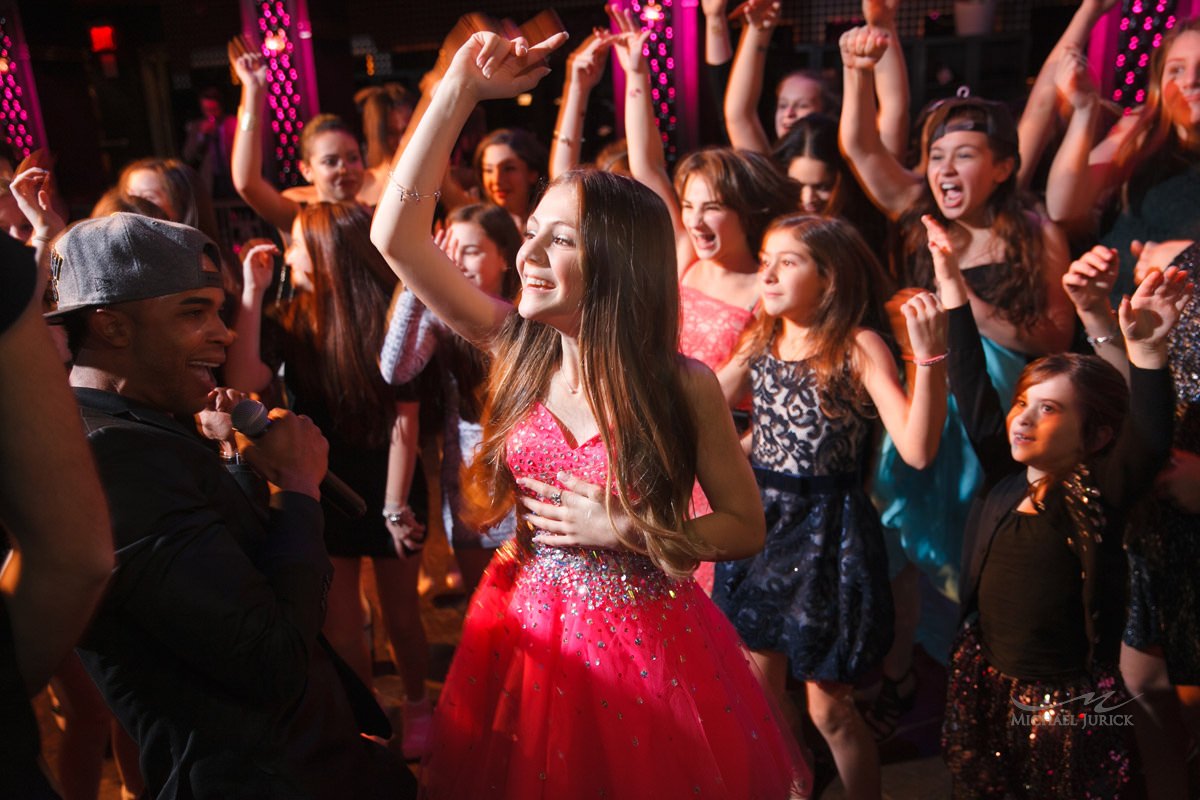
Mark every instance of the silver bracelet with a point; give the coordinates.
(1096, 341)
(412, 194)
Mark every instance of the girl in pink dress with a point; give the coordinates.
(590, 663)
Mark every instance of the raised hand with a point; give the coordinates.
(762, 15)
(258, 265)
(214, 419)
(713, 8)
(585, 65)
(249, 65)
(491, 66)
(573, 516)
(862, 47)
(1155, 255)
(31, 189)
(880, 13)
(1072, 78)
(630, 41)
(1090, 279)
(925, 320)
(1148, 316)
(448, 242)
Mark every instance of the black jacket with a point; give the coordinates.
(1122, 475)
(207, 645)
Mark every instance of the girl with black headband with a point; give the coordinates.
(1013, 262)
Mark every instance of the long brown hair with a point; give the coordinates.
(337, 329)
(628, 342)
(1152, 148)
(855, 282)
(1019, 296)
(747, 182)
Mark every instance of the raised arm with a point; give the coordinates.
(647, 162)
(977, 399)
(742, 121)
(891, 187)
(1082, 172)
(1144, 444)
(486, 67)
(1088, 283)
(32, 188)
(717, 47)
(244, 367)
(585, 68)
(246, 160)
(891, 78)
(914, 420)
(1041, 109)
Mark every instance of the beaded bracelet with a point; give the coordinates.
(412, 194)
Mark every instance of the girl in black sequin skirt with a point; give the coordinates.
(1035, 707)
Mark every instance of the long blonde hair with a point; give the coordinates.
(632, 373)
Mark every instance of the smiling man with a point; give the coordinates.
(207, 646)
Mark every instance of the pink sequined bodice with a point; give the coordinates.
(538, 449)
(709, 328)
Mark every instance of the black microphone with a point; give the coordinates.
(251, 420)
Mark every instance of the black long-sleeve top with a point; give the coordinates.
(1121, 476)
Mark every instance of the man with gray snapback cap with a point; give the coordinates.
(207, 646)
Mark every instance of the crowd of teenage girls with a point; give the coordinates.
(910, 362)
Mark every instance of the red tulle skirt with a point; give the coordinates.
(592, 674)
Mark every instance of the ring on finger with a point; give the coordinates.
(556, 498)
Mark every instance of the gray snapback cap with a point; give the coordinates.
(125, 257)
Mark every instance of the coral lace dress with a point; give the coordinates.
(591, 673)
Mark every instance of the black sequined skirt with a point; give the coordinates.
(1041, 740)
(1164, 595)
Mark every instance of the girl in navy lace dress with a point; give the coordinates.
(816, 599)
